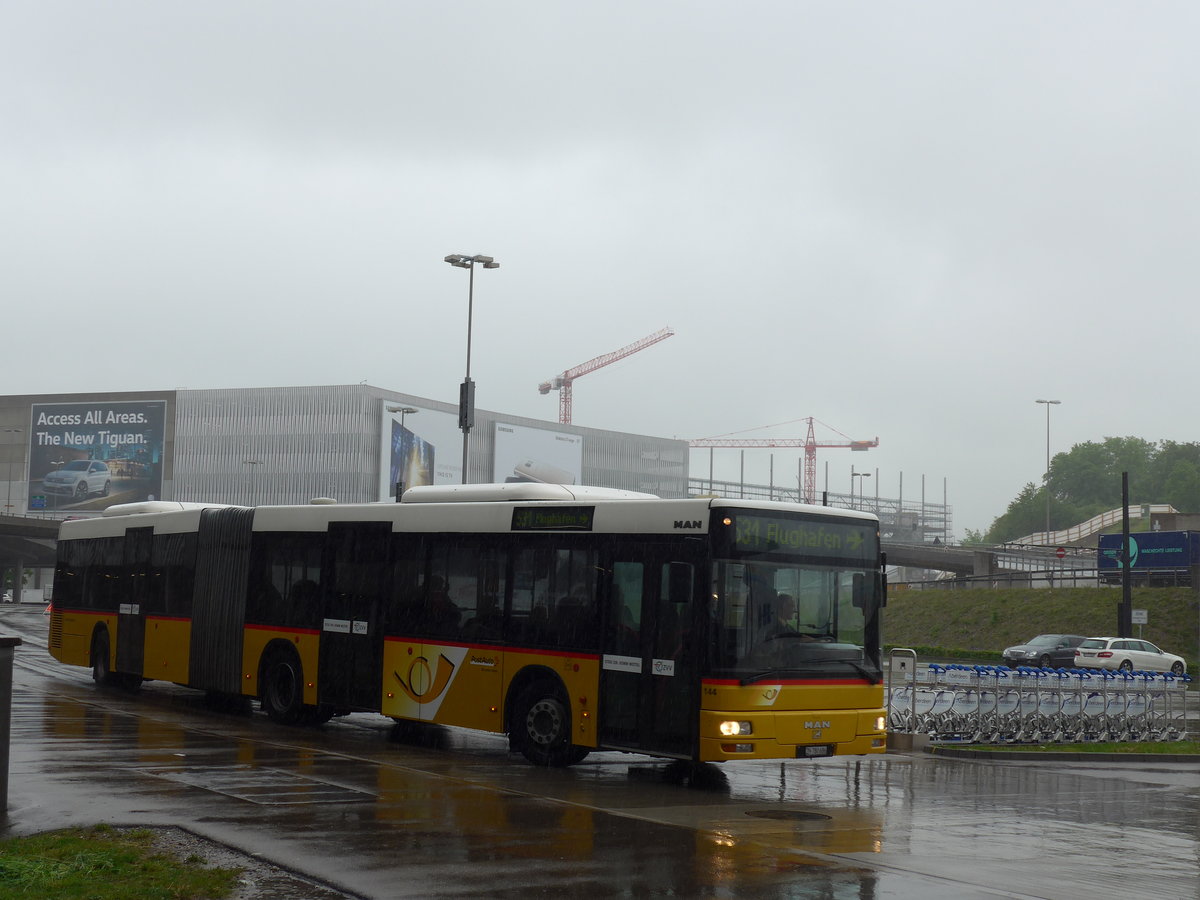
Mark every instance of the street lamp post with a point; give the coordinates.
(854, 475)
(1048, 403)
(466, 393)
(8, 503)
(404, 411)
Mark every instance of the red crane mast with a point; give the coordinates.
(562, 382)
(809, 443)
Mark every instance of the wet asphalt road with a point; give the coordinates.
(448, 813)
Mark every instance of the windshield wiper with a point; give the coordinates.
(750, 679)
(873, 677)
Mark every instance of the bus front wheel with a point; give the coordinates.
(541, 727)
(283, 688)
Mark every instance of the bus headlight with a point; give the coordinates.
(731, 728)
(880, 721)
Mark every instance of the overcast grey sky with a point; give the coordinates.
(907, 220)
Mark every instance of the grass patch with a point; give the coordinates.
(980, 623)
(104, 863)
(1160, 747)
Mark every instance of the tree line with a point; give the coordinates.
(1086, 481)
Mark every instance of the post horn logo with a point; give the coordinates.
(424, 685)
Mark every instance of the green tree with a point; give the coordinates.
(1026, 514)
(973, 537)
(1086, 480)
(1182, 486)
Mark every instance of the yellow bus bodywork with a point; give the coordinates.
(167, 649)
(307, 644)
(466, 685)
(791, 720)
(70, 638)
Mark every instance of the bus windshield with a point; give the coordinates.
(795, 599)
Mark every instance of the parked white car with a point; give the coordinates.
(1129, 654)
(80, 478)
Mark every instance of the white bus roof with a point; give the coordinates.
(481, 508)
(519, 490)
(157, 506)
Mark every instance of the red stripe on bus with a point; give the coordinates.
(498, 648)
(84, 612)
(285, 628)
(168, 618)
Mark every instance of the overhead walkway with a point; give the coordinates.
(1093, 526)
(28, 541)
(959, 560)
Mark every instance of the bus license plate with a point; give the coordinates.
(814, 751)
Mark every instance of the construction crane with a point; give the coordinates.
(809, 443)
(562, 383)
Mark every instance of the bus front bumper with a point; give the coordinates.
(807, 734)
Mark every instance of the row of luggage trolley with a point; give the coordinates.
(996, 704)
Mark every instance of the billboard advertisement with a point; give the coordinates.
(88, 456)
(1151, 550)
(418, 446)
(534, 454)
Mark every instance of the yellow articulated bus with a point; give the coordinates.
(569, 618)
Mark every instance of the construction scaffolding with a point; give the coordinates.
(911, 521)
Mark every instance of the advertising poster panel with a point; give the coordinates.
(89, 456)
(418, 447)
(534, 454)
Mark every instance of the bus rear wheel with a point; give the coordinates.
(283, 688)
(541, 727)
(101, 671)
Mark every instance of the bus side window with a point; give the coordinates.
(304, 600)
(407, 601)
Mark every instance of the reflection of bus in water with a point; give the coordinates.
(569, 618)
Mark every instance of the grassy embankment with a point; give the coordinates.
(979, 624)
(104, 863)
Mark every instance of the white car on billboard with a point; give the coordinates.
(80, 478)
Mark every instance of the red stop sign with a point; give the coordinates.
(1060, 552)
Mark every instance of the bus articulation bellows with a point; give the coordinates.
(569, 618)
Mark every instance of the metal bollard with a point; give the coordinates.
(6, 664)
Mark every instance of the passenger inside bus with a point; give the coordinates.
(441, 614)
(488, 622)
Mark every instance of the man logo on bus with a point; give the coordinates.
(422, 685)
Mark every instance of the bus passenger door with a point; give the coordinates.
(357, 577)
(132, 608)
(649, 698)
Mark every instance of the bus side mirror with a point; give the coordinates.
(859, 594)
